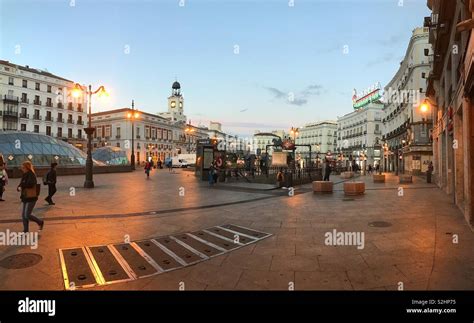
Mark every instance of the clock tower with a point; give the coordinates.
(175, 103)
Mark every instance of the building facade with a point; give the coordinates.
(359, 133)
(451, 99)
(406, 130)
(321, 136)
(158, 136)
(37, 101)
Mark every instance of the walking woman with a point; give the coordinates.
(3, 179)
(28, 195)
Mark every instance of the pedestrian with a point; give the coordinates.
(170, 165)
(147, 169)
(159, 164)
(430, 171)
(50, 180)
(29, 195)
(211, 175)
(280, 178)
(377, 168)
(327, 171)
(3, 180)
(215, 175)
(370, 169)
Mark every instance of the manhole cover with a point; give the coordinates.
(380, 224)
(23, 260)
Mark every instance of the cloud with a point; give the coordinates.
(299, 98)
(392, 41)
(388, 57)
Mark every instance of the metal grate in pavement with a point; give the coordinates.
(89, 266)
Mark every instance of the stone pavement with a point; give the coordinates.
(417, 248)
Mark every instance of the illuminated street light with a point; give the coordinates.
(133, 116)
(77, 91)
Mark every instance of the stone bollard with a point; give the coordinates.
(379, 178)
(405, 179)
(354, 188)
(322, 187)
(347, 175)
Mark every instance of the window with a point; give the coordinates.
(49, 103)
(48, 116)
(60, 132)
(37, 100)
(118, 131)
(79, 133)
(37, 128)
(60, 117)
(48, 130)
(423, 75)
(10, 80)
(25, 83)
(118, 145)
(49, 89)
(98, 132)
(24, 98)
(69, 133)
(79, 120)
(23, 127)
(107, 131)
(37, 114)
(37, 86)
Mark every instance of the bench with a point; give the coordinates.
(354, 188)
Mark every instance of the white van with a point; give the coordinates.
(179, 162)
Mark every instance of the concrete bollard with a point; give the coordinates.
(354, 188)
(405, 179)
(322, 187)
(379, 178)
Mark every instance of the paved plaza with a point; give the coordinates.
(414, 250)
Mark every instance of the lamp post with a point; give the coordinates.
(132, 116)
(189, 129)
(76, 92)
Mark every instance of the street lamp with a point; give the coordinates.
(133, 116)
(189, 129)
(76, 92)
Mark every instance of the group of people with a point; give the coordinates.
(30, 190)
(149, 165)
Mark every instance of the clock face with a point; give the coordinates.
(173, 104)
(180, 104)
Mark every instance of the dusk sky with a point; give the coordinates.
(237, 61)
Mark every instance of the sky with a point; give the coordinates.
(249, 64)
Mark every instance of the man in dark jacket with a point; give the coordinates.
(51, 182)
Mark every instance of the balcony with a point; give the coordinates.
(60, 120)
(10, 113)
(70, 121)
(25, 100)
(49, 104)
(37, 117)
(80, 122)
(59, 135)
(117, 137)
(60, 105)
(138, 137)
(10, 99)
(37, 102)
(24, 116)
(69, 106)
(79, 107)
(50, 119)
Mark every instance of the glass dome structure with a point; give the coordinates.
(110, 155)
(42, 150)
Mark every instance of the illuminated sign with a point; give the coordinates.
(370, 95)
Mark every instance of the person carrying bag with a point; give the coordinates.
(30, 190)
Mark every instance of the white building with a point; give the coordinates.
(262, 139)
(158, 136)
(34, 100)
(406, 131)
(360, 132)
(321, 136)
